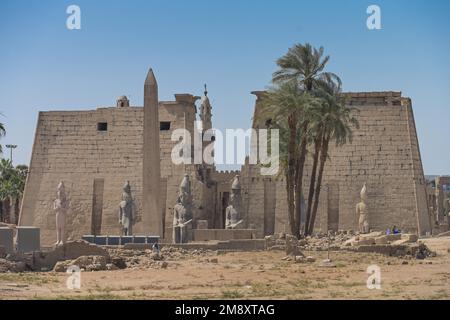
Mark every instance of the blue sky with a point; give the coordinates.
(230, 45)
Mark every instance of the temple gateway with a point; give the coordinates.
(94, 153)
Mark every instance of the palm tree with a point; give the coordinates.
(316, 134)
(12, 184)
(18, 181)
(303, 66)
(6, 187)
(284, 105)
(2, 134)
(336, 123)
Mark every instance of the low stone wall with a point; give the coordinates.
(222, 234)
(242, 245)
(69, 251)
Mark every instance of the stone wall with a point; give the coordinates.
(384, 154)
(68, 146)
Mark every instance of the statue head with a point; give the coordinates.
(126, 194)
(363, 193)
(236, 185)
(127, 187)
(185, 185)
(61, 191)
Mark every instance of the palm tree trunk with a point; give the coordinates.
(6, 210)
(323, 159)
(312, 184)
(299, 178)
(16, 210)
(291, 171)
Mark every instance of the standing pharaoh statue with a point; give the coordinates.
(362, 212)
(126, 214)
(60, 205)
(182, 212)
(234, 209)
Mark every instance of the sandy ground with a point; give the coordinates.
(251, 275)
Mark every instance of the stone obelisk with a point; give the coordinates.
(151, 216)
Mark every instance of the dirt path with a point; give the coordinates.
(251, 275)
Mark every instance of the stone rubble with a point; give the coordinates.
(12, 266)
(399, 245)
(95, 258)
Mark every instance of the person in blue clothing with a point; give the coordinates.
(395, 230)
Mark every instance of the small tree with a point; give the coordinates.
(6, 188)
(12, 184)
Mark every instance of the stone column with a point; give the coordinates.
(151, 216)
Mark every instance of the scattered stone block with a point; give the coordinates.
(364, 242)
(350, 242)
(155, 256)
(400, 242)
(278, 247)
(381, 240)
(111, 267)
(327, 263)
(411, 238)
(68, 251)
(444, 234)
(382, 249)
(119, 262)
(292, 246)
(61, 266)
(12, 266)
(393, 237)
(90, 263)
(373, 234)
(269, 242)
